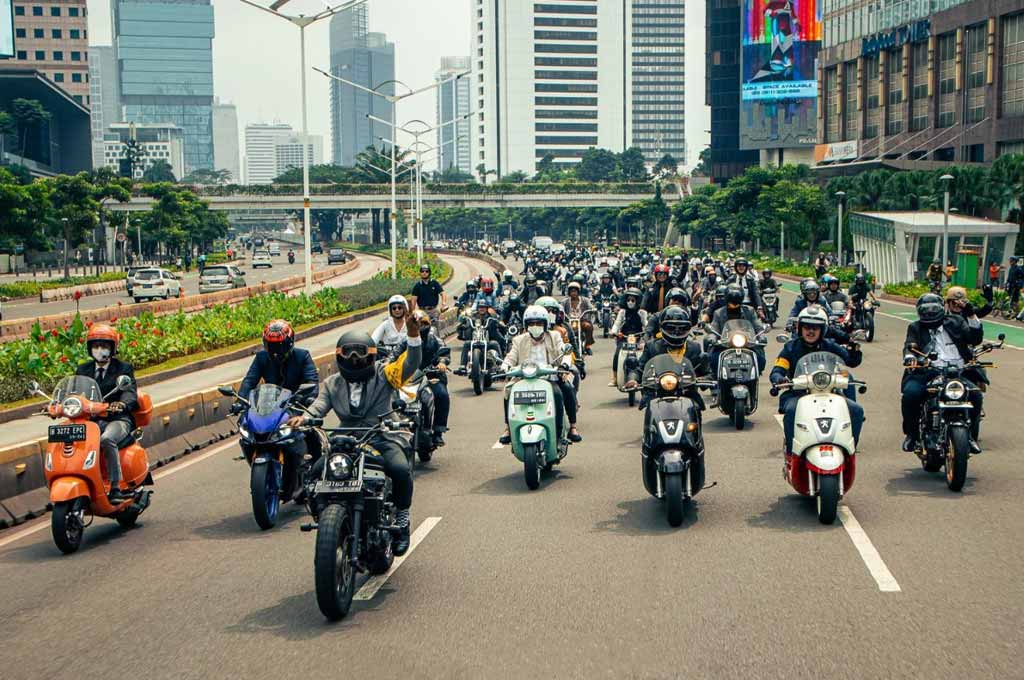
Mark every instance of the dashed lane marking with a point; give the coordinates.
(374, 583)
(498, 445)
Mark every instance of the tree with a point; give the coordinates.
(159, 171)
(8, 126)
(24, 209)
(598, 165)
(29, 114)
(666, 167)
(517, 177)
(482, 172)
(373, 166)
(703, 167)
(631, 165)
(453, 175)
(206, 177)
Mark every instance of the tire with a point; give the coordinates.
(531, 468)
(869, 323)
(67, 530)
(127, 518)
(265, 486)
(425, 455)
(674, 499)
(828, 498)
(137, 300)
(739, 414)
(632, 398)
(333, 572)
(958, 452)
(475, 373)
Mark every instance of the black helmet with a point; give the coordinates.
(355, 353)
(766, 273)
(675, 326)
(720, 292)
(678, 296)
(859, 278)
(734, 295)
(810, 286)
(513, 299)
(579, 278)
(741, 261)
(531, 280)
(930, 310)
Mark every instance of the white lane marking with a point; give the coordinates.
(44, 523)
(872, 560)
(498, 445)
(778, 419)
(374, 583)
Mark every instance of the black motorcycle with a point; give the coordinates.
(353, 514)
(291, 258)
(419, 405)
(770, 298)
(945, 425)
(673, 443)
(606, 309)
(864, 316)
(737, 369)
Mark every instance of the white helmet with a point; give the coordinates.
(398, 300)
(812, 315)
(535, 313)
(507, 275)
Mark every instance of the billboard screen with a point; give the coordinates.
(6, 29)
(779, 88)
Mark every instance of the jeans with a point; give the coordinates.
(915, 391)
(442, 405)
(787, 406)
(112, 432)
(396, 466)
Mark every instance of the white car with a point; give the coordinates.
(154, 282)
(274, 249)
(261, 258)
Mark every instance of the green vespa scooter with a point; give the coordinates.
(532, 420)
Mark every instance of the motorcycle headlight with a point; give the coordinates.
(530, 370)
(669, 382)
(284, 432)
(822, 379)
(739, 340)
(955, 390)
(244, 432)
(339, 467)
(72, 407)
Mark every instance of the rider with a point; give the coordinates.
(104, 367)
(576, 306)
(675, 329)
(810, 294)
(495, 338)
(747, 282)
(951, 337)
(832, 293)
(631, 320)
(391, 331)
(542, 345)
(767, 284)
(606, 288)
(860, 290)
(810, 326)
(676, 297)
(363, 390)
(486, 296)
(512, 308)
(428, 294)
(735, 309)
(469, 297)
(429, 358)
(508, 281)
(656, 298)
(934, 274)
(291, 256)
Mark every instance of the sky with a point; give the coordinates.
(256, 59)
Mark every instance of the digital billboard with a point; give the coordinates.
(779, 87)
(6, 29)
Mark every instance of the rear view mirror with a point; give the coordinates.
(306, 389)
(1001, 337)
(782, 337)
(123, 382)
(227, 390)
(398, 405)
(566, 349)
(33, 387)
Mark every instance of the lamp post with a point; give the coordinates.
(946, 179)
(302, 21)
(839, 228)
(393, 99)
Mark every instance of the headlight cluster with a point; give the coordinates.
(339, 467)
(821, 379)
(669, 382)
(955, 390)
(739, 340)
(530, 370)
(72, 407)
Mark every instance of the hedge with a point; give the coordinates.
(18, 289)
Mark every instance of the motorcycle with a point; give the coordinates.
(264, 434)
(736, 396)
(532, 419)
(840, 316)
(945, 425)
(291, 258)
(673, 444)
(483, 360)
(577, 340)
(822, 463)
(864, 317)
(418, 398)
(353, 515)
(771, 306)
(629, 355)
(606, 306)
(75, 468)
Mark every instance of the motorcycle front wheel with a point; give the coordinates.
(958, 451)
(476, 372)
(333, 571)
(531, 465)
(869, 324)
(828, 498)
(674, 499)
(66, 525)
(739, 413)
(265, 486)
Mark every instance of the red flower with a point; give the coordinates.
(119, 303)
(88, 324)
(81, 341)
(133, 343)
(53, 332)
(138, 325)
(78, 295)
(157, 332)
(43, 355)
(63, 359)
(229, 324)
(114, 320)
(41, 338)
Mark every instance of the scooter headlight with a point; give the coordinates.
(72, 407)
(821, 379)
(530, 370)
(955, 390)
(339, 467)
(669, 382)
(739, 340)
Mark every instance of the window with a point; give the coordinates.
(78, 98)
(560, 21)
(75, 34)
(37, 11)
(565, 127)
(947, 80)
(871, 70)
(58, 55)
(55, 11)
(58, 77)
(1012, 68)
(565, 35)
(831, 106)
(974, 42)
(851, 116)
(19, 11)
(894, 98)
(76, 56)
(919, 86)
(72, 11)
(567, 141)
(40, 55)
(37, 33)
(22, 55)
(76, 77)
(55, 33)
(19, 33)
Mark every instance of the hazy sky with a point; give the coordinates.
(256, 58)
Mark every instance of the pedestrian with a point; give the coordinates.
(1014, 280)
(188, 261)
(202, 263)
(950, 270)
(993, 273)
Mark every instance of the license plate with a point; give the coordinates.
(738, 363)
(538, 397)
(66, 433)
(333, 486)
(147, 285)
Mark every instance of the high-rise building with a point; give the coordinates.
(165, 61)
(225, 139)
(51, 36)
(452, 102)
(156, 143)
(261, 140)
(722, 90)
(288, 152)
(369, 60)
(549, 79)
(658, 79)
(105, 108)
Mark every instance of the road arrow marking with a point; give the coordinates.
(374, 583)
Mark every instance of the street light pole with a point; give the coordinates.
(946, 179)
(839, 228)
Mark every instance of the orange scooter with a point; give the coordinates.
(75, 467)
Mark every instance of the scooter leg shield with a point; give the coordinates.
(68, 488)
(826, 459)
(532, 434)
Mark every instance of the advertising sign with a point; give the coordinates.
(6, 29)
(837, 151)
(779, 88)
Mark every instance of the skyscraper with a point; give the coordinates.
(52, 37)
(105, 99)
(165, 61)
(658, 65)
(722, 90)
(364, 58)
(453, 101)
(288, 152)
(225, 139)
(261, 140)
(548, 79)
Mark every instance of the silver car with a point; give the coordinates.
(221, 277)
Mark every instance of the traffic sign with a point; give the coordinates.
(121, 237)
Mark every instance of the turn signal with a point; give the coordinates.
(691, 427)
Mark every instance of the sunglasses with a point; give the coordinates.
(355, 351)
(398, 307)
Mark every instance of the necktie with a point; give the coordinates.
(99, 374)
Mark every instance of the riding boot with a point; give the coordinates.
(402, 542)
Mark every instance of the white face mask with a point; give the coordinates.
(535, 331)
(551, 319)
(101, 354)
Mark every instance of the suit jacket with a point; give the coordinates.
(296, 370)
(963, 336)
(128, 396)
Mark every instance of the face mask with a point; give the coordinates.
(101, 354)
(630, 304)
(535, 332)
(551, 319)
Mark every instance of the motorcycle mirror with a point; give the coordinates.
(859, 334)
(305, 389)
(33, 387)
(862, 389)
(227, 390)
(123, 382)
(932, 356)
(566, 349)
(398, 405)
(444, 352)
(1001, 337)
(782, 337)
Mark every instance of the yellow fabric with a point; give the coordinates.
(393, 371)
(782, 363)
(678, 354)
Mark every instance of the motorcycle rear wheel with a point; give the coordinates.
(531, 465)
(65, 526)
(828, 498)
(266, 494)
(333, 572)
(674, 499)
(958, 452)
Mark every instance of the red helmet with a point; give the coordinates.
(487, 285)
(104, 332)
(278, 338)
(661, 269)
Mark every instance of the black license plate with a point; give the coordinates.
(67, 433)
(538, 397)
(333, 486)
(738, 363)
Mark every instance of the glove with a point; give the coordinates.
(969, 309)
(116, 407)
(908, 360)
(237, 408)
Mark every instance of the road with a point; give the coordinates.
(580, 579)
(21, 309)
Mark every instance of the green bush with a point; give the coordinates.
(804, 271)
(916, 289)
(19, 289)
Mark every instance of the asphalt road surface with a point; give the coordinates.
(582, 578)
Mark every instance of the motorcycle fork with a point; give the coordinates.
(357, 533)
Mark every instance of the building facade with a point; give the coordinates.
(225, 139)
(369, 60)
(156, 142)
(549, 79)
(722, 90)
(658, 79)
(62, 145)
(288, 152)
(930, 80)
(165, 69)
(105, 108)
(453, 101)
(52, 36)
(261, 140)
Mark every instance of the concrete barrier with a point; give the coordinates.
(68, 292)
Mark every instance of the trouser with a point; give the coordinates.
(396, 466)
(112, 432)
(915, 391)
(1014, 293)
(787, 406)
(588, 333)
(434, 313)
(442, 405)
(615, 357)
(565, 400)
